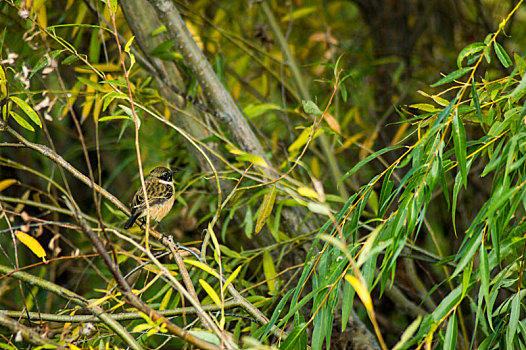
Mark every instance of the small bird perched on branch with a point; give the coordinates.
(160, 192)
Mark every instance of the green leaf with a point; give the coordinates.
(21, 121)
(511, 330)
(27, 109)
(447, 304)
(255, 110)
(452, 76)
(266, 208)
(113, 6)
(459, 140)
(114, 117)
(469, 50)
(269, 271)
(347, 303)
(502, 55)
(484, 272)
(450, 340)
(91, 83)
(70, 59)
(426, 107)
(311, 108)
(408, 333)
(277, 311)
(294, 339)
(468, 253)
(367, 160)
(319, 208)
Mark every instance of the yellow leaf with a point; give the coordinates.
(233, 150)
(270, 271)
(315, 167)
(333, 123)
(6, 183)
(252, 159)
(441, 101)
(210, 291)
(166, 299)
(232, 277)
(362, 292)
(303, 139)
(103, 67)
(32, 244)
(301, 12)
(128, 44)
(73, 346)
(266, 209)
(201, 266)
(20, 207)
(307, 192)
(426, 107)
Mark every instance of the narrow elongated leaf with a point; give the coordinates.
(514, 320)
(367, 160)
(484, 272)
(6, 183)
(408, 333)
(459, 140)
(270, 272)
(362, 292)
(266, 209)
(475, 96)
(27, 109)
(210, 291)
(450, 340)
(469, 50)
(469, 252)
(21, 121)
(295, 339)
(31, 243)
(347, 303)
(277, 311)
(452, 76)
(502, 55)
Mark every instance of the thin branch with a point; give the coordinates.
(125, 288)
(76, 299)
(48, 153)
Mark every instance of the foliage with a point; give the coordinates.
(417, 209)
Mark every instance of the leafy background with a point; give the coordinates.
(355, 169)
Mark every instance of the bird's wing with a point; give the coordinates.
(157, 193)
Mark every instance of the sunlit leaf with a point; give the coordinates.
(27, 109)
(21, 121)
(6, 183)
(210, 291)
(32, 244)
(362, 292)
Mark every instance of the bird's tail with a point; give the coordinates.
(131, 220)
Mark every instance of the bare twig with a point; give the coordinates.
(75, 298)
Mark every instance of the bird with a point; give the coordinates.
(160, 192)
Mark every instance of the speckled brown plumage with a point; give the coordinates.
(160, 189)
